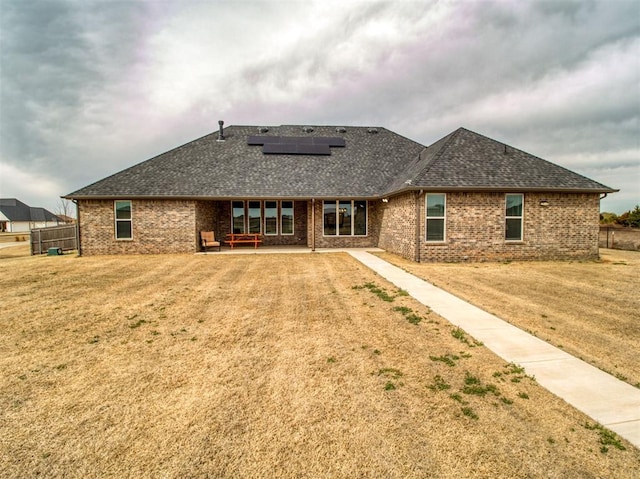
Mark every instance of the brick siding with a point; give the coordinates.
(566, 228)
(398, 225)
(165, 226)
(475, 223)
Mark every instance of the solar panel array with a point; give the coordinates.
(296, 145)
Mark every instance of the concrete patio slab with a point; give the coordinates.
(607, 400)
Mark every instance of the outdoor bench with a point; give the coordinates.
(252, 238)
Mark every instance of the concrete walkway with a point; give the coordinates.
(609, 401)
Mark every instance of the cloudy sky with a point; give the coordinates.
(89, 88)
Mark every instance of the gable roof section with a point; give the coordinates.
(368, 163)
(16, 210)
(207, 168)
(464, 160)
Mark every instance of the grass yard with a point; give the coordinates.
(267, 366)
(590, 309)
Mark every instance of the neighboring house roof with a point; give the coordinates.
(296, 162)
(16, 210)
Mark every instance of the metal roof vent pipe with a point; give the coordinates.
(220, 130)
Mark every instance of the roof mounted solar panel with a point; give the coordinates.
(329, 140)
(314, 149)
(262, 140)
(296, 145)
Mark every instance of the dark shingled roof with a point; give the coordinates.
(16, 210)
(374, 162)
(465, 160)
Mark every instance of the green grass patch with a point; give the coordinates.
(467, 411)
(439, 384)
(403, 309)
(607, 437)
(448, 359)
(460, 335)
(473, 386)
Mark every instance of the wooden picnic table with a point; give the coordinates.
(243, 238)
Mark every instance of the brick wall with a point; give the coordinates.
(370, 240)
(398, 225)
(158, 227)
(475, 222)
(566, 228)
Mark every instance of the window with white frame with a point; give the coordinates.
(270, 218)
(286, 217)
(344, 217)
(514, 208)
(237, 217)
(123, 219)
(255, 217)
(435, 207)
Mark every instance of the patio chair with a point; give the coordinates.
(208, 240)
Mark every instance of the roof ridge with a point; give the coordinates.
(438, 154)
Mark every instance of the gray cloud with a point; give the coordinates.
(88, 88)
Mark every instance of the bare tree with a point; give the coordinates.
(65, 209)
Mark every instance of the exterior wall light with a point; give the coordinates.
(385, 200)
(544, 202)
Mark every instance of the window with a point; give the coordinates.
(237, 216)
(270, 217)
(286, 217)
(435, 221)
(360, 218)
(255, 217)
(513, 217)
(329, 217)
(124, 230)
(344, 218)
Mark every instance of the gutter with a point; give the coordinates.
(78, 227)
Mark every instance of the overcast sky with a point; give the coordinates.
(89, 88)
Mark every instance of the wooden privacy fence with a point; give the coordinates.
(63, 237)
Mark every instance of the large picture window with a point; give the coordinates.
(344, 218)
(124, 230)
(514, 207)
(436, 216)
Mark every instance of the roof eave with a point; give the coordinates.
(221, 197)
(529, 189)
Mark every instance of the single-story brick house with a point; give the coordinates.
(16, 216)
(466, 197)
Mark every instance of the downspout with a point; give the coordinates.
(418, 229)
(313, 224)
(78, 227)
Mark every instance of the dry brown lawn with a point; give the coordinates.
(590, 309)
(262, 366)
